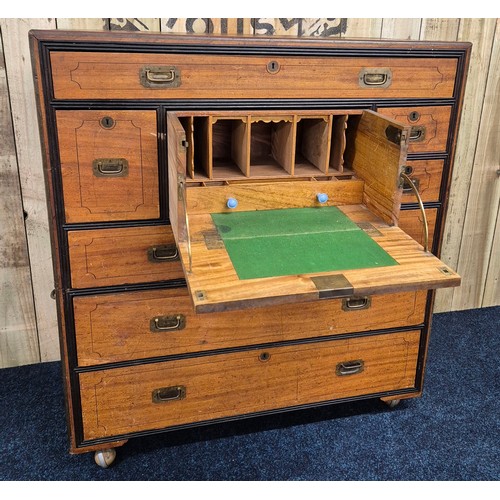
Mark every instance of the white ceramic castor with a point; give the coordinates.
(392, 403)
(104, 458)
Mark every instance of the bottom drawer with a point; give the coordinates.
(153, 396)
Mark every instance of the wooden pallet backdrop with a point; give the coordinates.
(28, 330)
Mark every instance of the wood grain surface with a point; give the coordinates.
(104, 257)
(117, 327)
(132, 137)
(94, 75)
(119, 401)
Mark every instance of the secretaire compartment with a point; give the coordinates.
(309, 212)
(120, 256)
(154, 396)
(116, 327)
(109, 165)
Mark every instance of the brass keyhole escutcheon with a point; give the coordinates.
(273, 67)
(107, 122)
(414, 116)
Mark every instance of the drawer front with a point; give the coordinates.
(138, 325)
(154, 396)
(87, 75)
(429, 124)
(109, 165)
(426, 175)
(410, 221)
(105, 257)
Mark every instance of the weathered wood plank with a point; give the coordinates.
(94, 23)
(134, 24)
(484, 195)
(324, 27)
(362, 28)
(439, 29)
(402, 29)
(276, 26)
(25, 122)
(481, 33)
(492, 289)
(18, 333)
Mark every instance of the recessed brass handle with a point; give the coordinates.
(170, 323)
(160, 76)
(163, 253)
(356, 303)
(414, 188)
(417, 133)
(407, 188)
(168, 394)
(110, 167)
(375, 77)
(349, 367)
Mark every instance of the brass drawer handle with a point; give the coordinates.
(110, 167)
(163, 253)
(160, 76)
(407, 188)
(350, 367)
(169, 323)
(168, 394)
(417, 133)
(356, 303)
(375, 77)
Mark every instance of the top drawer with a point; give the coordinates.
(104, 75)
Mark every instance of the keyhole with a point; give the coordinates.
(408, 170)
(273, 66)
(107, 122)
(414, 116)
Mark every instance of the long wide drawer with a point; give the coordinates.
(138, 325)
(105, 257)
(101, 75)
(154, 396)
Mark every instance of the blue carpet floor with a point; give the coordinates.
(451, 433)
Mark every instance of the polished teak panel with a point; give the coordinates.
(109, 165)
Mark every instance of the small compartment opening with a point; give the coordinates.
(312, 146)
(229, 148)
(271, 147)
(338, 144)
(202, 168)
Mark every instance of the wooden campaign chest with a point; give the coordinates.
(238, 223)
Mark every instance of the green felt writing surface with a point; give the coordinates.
(280, 222)
(285, 242)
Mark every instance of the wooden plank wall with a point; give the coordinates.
(28, 331)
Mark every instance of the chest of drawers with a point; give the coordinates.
(158, 146)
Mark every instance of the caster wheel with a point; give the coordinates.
(392, 403)
(104, 458)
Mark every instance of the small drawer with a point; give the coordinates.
(138, 325)
(426, 175)
(154, 396)
(109, 165)
(101, 75)
(410, 221)
(430, 125)
(105, 257)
